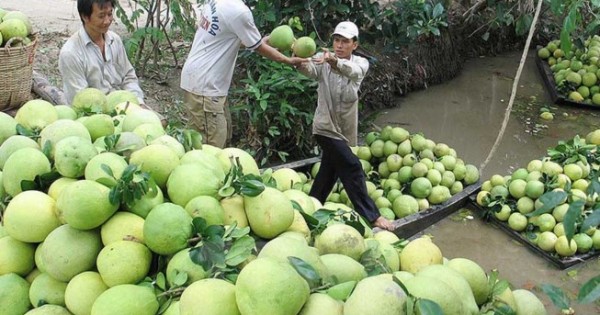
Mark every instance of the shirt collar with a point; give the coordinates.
(85, 38)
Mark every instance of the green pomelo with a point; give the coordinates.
(527, 303)
(46, 289)
(403, 275)
(16, 256)
(94, 169)
(24, 164)
(149, 131)
(399, 135)
(126, 299)
(302, 199)
(126, 107)
(151, 199)
(122, 226)
(14, 143)
(30, 216)
(173, 308)
(128, 143)
(208, 208)
(420, 187)
(283, 247)
(285, 178)
(342, 291)
(534, 189)
(341, 239)
(49, 309)
(72, 154)
(322, 304)
(376, 295)
(439, 194)
(65, 112)
(99, 125)
(418, 254)
(269, 286)
(270, 213)
(57, 187)
(472, 175)
(454, 280)
(167, 229)
(475, 276)
(343, 268)
(158, 160)
(386, 237)
(247, 162)
(299, 225)
(305, 47)
(123, 262)
(8, 126)
(172, 143)
(61, 129)
(9, 15)
(33, 274)
(233, 208)
(89, 100)
(141, 116)
(13, 28)
(68, 252)
(389, 147)
(404, 148)
(117, 97)
(584, 242)
(181, 262)
(37, 258)
(437, 291)
(82, 291)
(593, 137)
(204, 159)
(85, 204)
(405, 205)
(191, 180)
(388, 253)
(14, 295)
(376, 149)
(282, 37)
(364, 153)
(218, 298)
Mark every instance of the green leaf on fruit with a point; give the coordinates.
(549, 201)
(306, 271)
(428, 307)
(572, 218)
(180, 279)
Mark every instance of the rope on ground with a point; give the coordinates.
(514, 88)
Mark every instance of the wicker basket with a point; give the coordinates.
(16, 70)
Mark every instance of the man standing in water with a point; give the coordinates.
(94, 56)
(223, 28)
(335, 123)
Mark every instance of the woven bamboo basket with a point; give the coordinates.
(16, 71)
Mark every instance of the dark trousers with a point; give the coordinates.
(338, 161)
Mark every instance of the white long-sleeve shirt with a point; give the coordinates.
(81, 65)
(336, 115)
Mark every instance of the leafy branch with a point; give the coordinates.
(219, 250)
(236, 182)
(131, 186)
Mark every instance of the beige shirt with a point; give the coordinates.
(81, 65)
(336, 115)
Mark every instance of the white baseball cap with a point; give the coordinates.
(346, 29)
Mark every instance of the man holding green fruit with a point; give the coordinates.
(222, 28)
(335, 123)
(95, 56)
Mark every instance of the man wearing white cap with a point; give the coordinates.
(335, 123)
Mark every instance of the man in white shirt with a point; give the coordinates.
(223, 27)
(94, 56)
(335, 123)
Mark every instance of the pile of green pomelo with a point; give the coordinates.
(578, 71)
(552, 201)
(107, 212)
(14, 26)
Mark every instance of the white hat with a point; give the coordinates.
(346, 29)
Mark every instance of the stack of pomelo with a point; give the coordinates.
(407, 172)
(67, 247)
(14, 26)
(577, 72)
(566, 185)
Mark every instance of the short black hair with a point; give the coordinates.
(85, 7)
